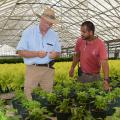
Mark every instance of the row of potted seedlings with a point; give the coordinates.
(5, 112)
(2, 111)
(29, 109)
(78, 101)
(69, 100)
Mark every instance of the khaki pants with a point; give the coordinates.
(84, 78)
(38, 75)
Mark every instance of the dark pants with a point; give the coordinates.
(84, 78)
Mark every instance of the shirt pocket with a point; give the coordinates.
(49, 47)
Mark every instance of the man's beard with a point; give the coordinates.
(85, 38)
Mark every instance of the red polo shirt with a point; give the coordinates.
(91, 53)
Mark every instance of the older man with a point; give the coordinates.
(39, 45)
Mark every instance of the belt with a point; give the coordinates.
(91, 73)
(42, 65)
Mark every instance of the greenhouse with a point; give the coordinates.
(59, 60)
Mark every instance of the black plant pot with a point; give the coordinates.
(110, 112)
(24, 113)
(35, 96)
(99, 113)
(48, 119)
(16, 103)
(73, 94)
(1, 90)
(63, 115)
(43, 101)
(51, 107)
(91, 99)
(115, 103)
(118, 102)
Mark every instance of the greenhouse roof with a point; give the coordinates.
(17, 15)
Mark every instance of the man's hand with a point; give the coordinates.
(53, 54)
(41, 54)
(76, 58)
(71, 72)
(106, 86)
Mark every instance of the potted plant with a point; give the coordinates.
(77, 113)
(63, 110)
(80, 113)
(40, 95)
(116, 115)
(18, 101)
(81, 98)
(58, 90)
(66, 92)
(100, 107)
(2, 115)
(36, 112)
(52, 101)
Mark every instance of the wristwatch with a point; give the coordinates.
(107, 79)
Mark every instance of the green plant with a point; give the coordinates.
(81, 97)
(78, 86)
(77, 113)
(2, 116)
(2, 103)
(117, 113)
(115, 116)
(92, 92)
(80, 113)
(66, 92)
(36, 112)
(101, 102)
(116, 92)
(64, 106)
(52, 98)
(111, 97)
(39, 91)
(19, 95)
(58, 87)
(2, 111)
